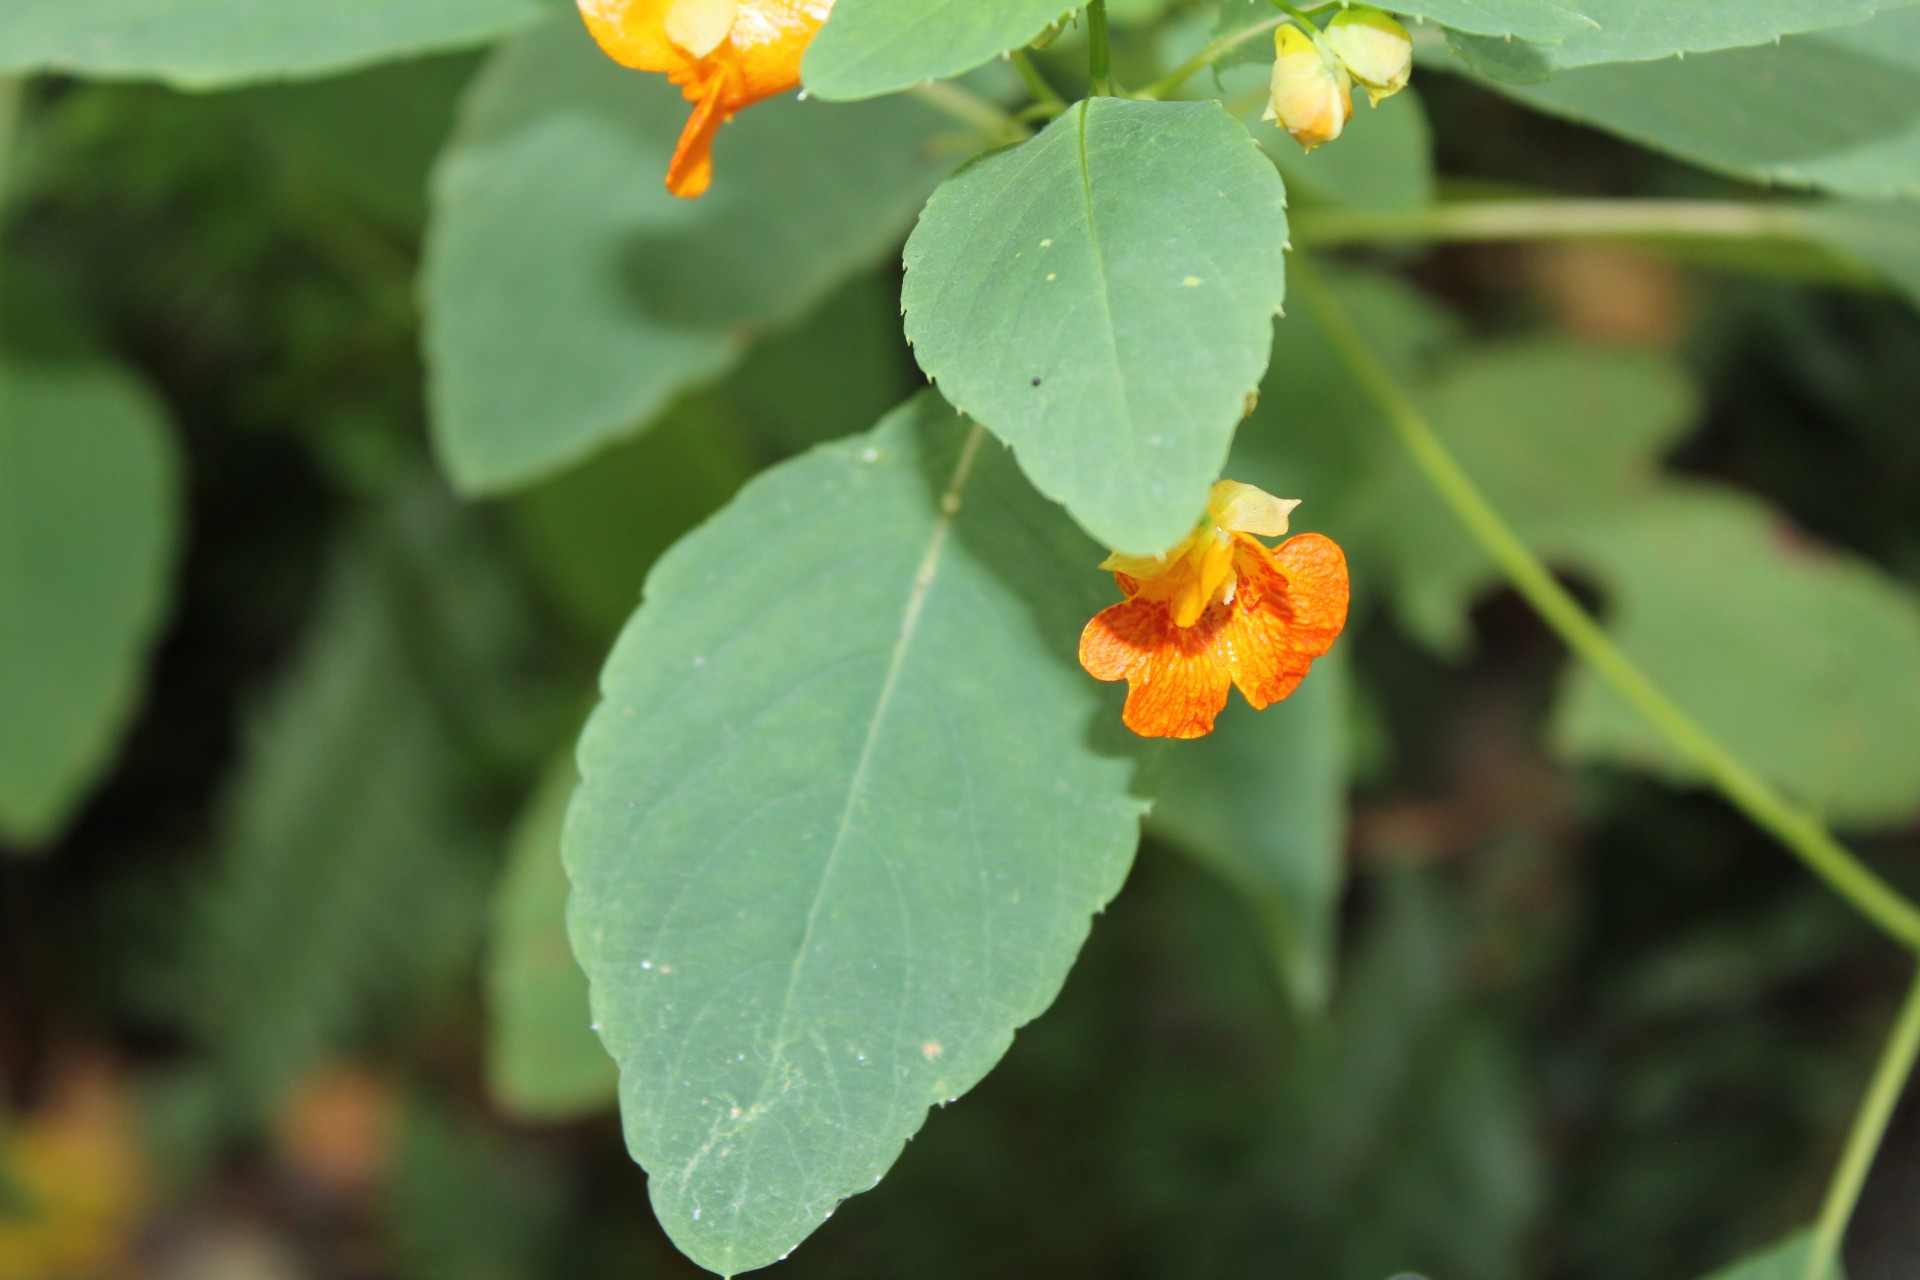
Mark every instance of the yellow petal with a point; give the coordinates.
(701, 26)
(1241, 508)
(1207, 570)
(1146, 568)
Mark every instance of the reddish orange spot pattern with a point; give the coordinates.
(759, 59)
(1285, 607)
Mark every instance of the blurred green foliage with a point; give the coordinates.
(1561, 1023)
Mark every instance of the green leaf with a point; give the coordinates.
(1263, 802)
(849, 806)
(543, 1060)
(1521, 19)
(1786, 1261)
(1645, 30)
(1803, 660)
(349, 874)
(212, 43)
(570, 298)
(871, 47)
(1502, 60)
(88, 526)
(1885, 238)
(1824, 704)
(372, 136)
(461, 1203)
(1836, 110)
(1102, 298)
(1416, 1107)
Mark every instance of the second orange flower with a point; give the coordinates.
(725, 55)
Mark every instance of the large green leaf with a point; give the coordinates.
(88, 525)
(1838, 110)
(1787, 1261)
(849, 806)
(208, 43)
(1803, 660)
(1263, 801)
(1102, 298)
(543, 1060)
(871, 47)
(1645, 30)
(1520, 19)
(570, 297)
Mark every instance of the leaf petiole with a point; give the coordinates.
(1043, 93)
(1099, 50)
(1210, 53)
(970, 109)
(1302, 16)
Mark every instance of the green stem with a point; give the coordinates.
(1305, 19)
(1210, 53)
(1799, 831)
(1481, 220)
(1042, 92)
(1863, 1141)
(1099, 53)
(970, 109)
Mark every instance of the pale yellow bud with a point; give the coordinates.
(1374, 48)
(701, 26)
(1312, 92)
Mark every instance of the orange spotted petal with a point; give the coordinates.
(634, 34)
(1176, 681)
(1291, 608)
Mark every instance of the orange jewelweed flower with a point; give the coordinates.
(1221, 608)
(724, 54)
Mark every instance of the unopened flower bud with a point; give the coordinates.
(1312, 92)
(1372, 46)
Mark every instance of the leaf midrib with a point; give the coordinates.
(1130, 434)
(923, 580)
